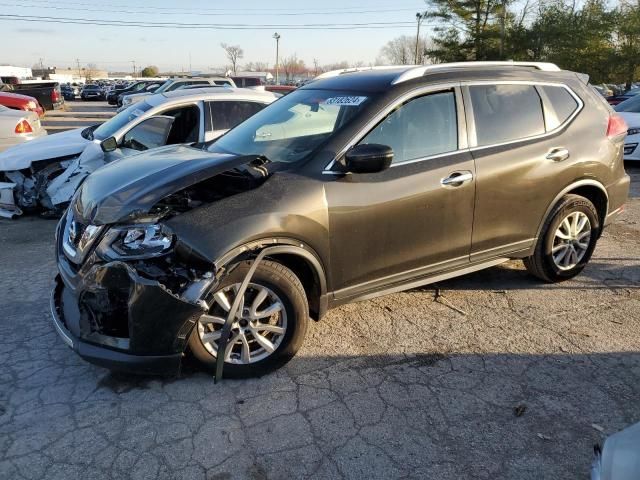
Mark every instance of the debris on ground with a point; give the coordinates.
(519, 410)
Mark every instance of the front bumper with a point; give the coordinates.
(105, 357)
(113, 317)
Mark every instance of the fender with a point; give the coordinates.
(290, 246)
(576, 184)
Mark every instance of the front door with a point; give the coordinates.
(414, 218)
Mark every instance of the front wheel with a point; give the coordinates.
(269, 326)
(568, 239)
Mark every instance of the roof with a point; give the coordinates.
(374, 79)
(220, 91)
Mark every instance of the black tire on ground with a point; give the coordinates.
(286, 285)
(541, 263)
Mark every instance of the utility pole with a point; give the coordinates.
(134, 68)
(190, 70)
(419, 18)
(277, 37)
(42, 69)
(79, 72)
(502, 22)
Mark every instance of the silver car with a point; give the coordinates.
(18, 126)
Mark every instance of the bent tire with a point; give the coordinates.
(269, 327)
(567, 240)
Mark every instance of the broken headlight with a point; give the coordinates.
(135, 242)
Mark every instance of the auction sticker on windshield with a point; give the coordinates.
(345, 101)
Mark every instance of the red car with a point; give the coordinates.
(282, 89)
(15, 101)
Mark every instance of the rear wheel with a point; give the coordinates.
(268, 328)
(568, 239)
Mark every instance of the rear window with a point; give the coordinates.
(503, 113)
(560, 103)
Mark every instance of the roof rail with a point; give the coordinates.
(419, 71)
(341, 71)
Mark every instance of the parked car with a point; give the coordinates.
(281, 89)
(132, 87)
(47, 94)
(419, 174)
(630, 111)
(171, 85)
(92, 92)
(18, 126)
(619, 457)
(149, 88)
(616, 99)
(49, 170)
(16, 101)
(68, 92)
(245, 82)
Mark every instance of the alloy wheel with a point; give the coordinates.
(257, 330)
(571, 240)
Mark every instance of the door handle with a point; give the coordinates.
(456, 179)
(558, 154)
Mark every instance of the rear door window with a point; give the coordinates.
(504, 113)
(224, 115)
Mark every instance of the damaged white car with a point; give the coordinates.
(44, 173)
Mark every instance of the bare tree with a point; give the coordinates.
(292, 66)
(234, 53)
(401, 51)
(256, 67)
(90, 72)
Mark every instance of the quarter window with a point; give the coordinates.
(560, 103)
(503, 113)
(420, 128)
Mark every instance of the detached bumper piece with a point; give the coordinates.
(117, 319)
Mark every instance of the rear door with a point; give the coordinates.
(521, 150)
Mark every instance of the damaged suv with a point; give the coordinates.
(353, 186)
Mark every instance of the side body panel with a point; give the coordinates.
(517, 184)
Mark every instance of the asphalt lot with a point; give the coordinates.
(403, 386)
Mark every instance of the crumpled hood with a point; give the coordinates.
(43, 148)
(132, 185)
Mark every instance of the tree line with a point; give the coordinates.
(591, 37)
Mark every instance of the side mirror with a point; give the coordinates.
(369, 158)
(109, 144)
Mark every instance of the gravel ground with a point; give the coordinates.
(499, 377)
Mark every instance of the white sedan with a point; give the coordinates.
(48, 171)
(630, 111)
(18, 126)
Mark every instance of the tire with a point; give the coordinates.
(280, 283)
(542, 263)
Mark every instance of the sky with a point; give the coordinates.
(114, 47)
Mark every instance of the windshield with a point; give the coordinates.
(110, 127)
(630, 105)
(164, 86)
(292, 127)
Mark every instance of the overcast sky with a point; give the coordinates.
(114, 47)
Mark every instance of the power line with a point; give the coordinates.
(210, 26)
(226, 13)
(243, 11)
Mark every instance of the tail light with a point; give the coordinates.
(617, 127)
(55, 96)
(24, 127)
